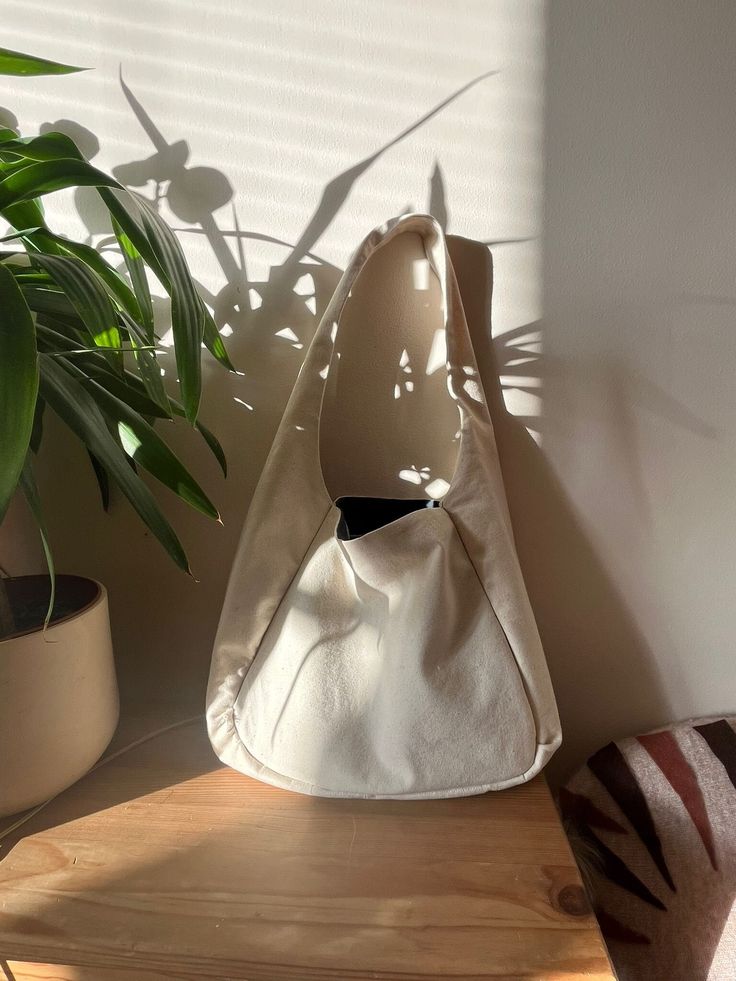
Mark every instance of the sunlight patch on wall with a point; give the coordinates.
(288, 150)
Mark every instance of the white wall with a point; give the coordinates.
(640, 360)
(288, 105)
(625, 520)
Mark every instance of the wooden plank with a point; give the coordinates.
(165, 862)
(24, 971)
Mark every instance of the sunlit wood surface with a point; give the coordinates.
(165, 865)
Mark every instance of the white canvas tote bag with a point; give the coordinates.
(371, 645)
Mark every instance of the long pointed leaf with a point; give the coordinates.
(47, 146)
(130, 388)
(187, 312)
(24, 215)
(214, 444)
(121, 388)
(160, 248)
(143, 445)
(43, 240)
(22, 233)
(149, 240)
(209, 437)
(135, 232)
(55, 305)
(53, 175)
(27, 275)
(30, 491)
(137, 272)
(132, 391)
(148, 366)
(18, 383)
(127, 387)
(103, 481)
(37, 431)
(17, 63)
(213, 341)
(80, 412)
(87, 295)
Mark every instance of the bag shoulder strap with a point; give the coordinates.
(304, 408)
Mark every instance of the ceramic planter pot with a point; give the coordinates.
(58, 691)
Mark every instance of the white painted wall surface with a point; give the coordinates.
(640, 359)
(625, 520)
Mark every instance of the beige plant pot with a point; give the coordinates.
(58, 693)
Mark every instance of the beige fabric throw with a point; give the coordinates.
(404, 662)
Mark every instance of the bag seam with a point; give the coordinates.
(280, 603)
(506, 638)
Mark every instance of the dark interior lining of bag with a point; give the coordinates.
(360, 515)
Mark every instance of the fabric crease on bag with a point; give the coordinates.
(401, 661)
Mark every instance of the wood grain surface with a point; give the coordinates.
(165, 865)
(25, 971)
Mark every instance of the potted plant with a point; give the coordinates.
(78, 338)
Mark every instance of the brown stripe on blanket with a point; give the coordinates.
(611, 768)
(722, 741)
(666, 753)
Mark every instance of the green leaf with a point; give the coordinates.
(137, 272)
(101, 348)
(30, 491)
(136, 398)
(52, 302)
(210, 439)
(87, 294)
(26, 275)
(16, 63)
(24, 215)
(49, 175)
(47, 146)
(214, 445)
(213, 341)
(18, 383)
(143, 444)
(10, 162)
(187, 310)
(103, 481)
(148, 366)
(130, 388)
(22, 233)
(160, 248)
(144, 240)
(45, 241)
(135, 232)
(146, 448)
(127, 387)
(37, 431)
(76, 407)
(59, 337)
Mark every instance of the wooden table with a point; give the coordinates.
(163, 864)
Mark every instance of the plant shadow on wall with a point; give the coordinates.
(574, 600)
(264, 318)
(270, 323)
(270, 339)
